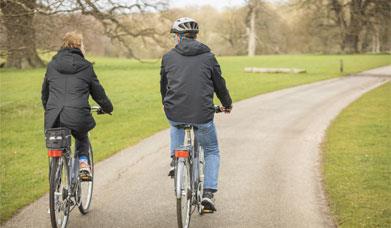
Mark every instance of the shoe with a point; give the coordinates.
(171, 173)
(208, 202)
(85, 170)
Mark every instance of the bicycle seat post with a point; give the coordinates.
(188, 135)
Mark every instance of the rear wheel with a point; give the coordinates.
(58, 194)
(182, 171)
(86, 187)
(200, 187)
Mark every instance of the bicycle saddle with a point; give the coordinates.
(185, 126)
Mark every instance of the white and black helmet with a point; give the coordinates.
(184, 25)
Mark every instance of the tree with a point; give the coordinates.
(350, 18)
(354, 19)
(377, 37)
(233, 31)
(18, 21)
(115, 16)
(253, 6)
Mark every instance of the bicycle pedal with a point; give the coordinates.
(207, 211)
(171, 173)
(84, 177)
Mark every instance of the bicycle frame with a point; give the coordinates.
(189, 175)
(67, 188)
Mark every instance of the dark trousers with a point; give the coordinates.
(82, 144)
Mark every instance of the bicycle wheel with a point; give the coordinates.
(86, 187)
(200, 187)
(182, 180)
(59, 188)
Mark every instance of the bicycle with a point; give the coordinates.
(67, 190)
(189, 176)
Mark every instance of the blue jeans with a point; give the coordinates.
(207, 138)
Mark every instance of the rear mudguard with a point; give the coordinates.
(180, 168)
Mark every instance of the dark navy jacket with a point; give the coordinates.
(190, 74)
(69, 81)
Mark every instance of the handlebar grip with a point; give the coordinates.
(98, 110)
(95, 108)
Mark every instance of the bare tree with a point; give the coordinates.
(17, 16)
(379, 23)
(252, 6)
(354, 18)
(115, 16)
(232, 31)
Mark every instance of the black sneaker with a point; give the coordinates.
(208, 202)
(171, 173)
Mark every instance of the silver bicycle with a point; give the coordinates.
(189, 176)
(67, 189)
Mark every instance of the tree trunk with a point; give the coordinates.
(350, 43)
(18, 20)
(252, 38)
(351, 28)
(376, 40)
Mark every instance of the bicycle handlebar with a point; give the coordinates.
(98, 110)
(219, 109)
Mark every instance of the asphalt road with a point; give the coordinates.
(270, 166)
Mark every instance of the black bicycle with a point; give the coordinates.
(67, 190)
(189, 176)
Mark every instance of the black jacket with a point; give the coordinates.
(190, 74)
(69, 81)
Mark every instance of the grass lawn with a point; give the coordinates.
(357, 162)
(134, 90)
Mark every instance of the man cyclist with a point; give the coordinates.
(190, 74)
(69, 81)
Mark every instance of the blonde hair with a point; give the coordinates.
(72, 40)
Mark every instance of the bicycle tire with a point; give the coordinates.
(59, 183)
(200, 182)
(86, 187)
(184, 201)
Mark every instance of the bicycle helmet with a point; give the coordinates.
(184, 25)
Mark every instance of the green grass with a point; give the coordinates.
(134, 89)
(357, 162)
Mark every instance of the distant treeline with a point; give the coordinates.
(142, 31)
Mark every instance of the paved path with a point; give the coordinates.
(269, 166)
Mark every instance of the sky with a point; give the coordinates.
(219, 4)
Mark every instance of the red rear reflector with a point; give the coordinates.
(54, 153)
(181, 153)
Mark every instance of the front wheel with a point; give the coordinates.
(86, 187)
(58, 194)
(183, 193)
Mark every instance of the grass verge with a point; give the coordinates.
(134, 90)
(357, 162)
